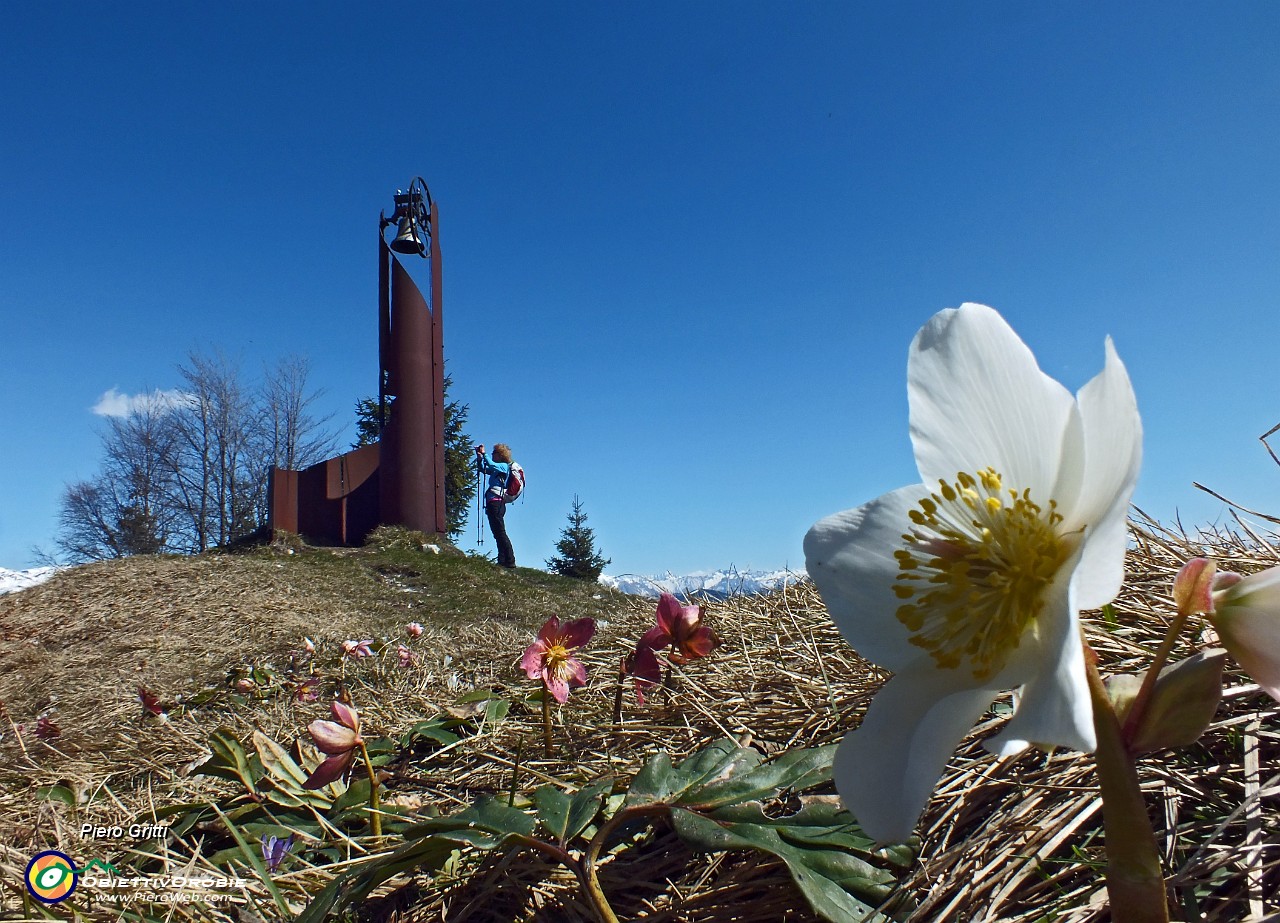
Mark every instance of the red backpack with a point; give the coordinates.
(515, 484)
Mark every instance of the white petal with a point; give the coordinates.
(1252, 635)
(850, 558)
(1260, 590)
(1112, 435)
(886, 769)
(1054, 708)
(978, 399)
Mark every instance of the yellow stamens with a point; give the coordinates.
(975, 570)
(555, 657)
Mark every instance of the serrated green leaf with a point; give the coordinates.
(382, 750)
(498, 817)
(836, 883)
(660, 782)
(356, 795)
(586, 805)
(476, 695)
(495, 710)
(714, 762)
(654, 782)
(229, 760)
(278, 763)
(433, 729)
(553, 808)
(745, 779)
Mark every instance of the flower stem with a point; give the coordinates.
(590, 879)
(546, 724)
(375, 804)
(1134, 719)
(617, 695)
(1135, 881)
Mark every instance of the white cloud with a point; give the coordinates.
(114, 404)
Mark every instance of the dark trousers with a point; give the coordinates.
(496, 510)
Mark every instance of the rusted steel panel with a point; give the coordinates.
(347, 472)
(384, 322)
(282, 488)
(437, 361)
(408, 466)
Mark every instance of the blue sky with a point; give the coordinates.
(686, 245)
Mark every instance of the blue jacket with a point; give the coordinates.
(498, 473)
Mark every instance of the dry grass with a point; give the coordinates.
(1014, 841)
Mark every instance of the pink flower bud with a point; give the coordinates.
(1193, 587)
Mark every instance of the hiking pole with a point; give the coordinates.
(479, 509)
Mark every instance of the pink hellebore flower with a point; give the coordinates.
(308, 690)
(550, 658)
(414, 629)
(150, 701)
(405, 655)
(1246, 615)
(679, 627)
(357, 649)
(338, 741)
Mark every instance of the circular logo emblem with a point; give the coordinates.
(51, 876)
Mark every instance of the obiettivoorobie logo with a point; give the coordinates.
(51, 876)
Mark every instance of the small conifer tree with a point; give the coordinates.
(459, 460)
(579, 557)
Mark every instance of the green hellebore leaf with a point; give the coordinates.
(658, 781)
(838, 884)
(748, 780)
(229, 760)
(278, 763)
(553, 810)
(61, 793)
(494, 816)
(1184, 701)
(435, 729)
(586, 805)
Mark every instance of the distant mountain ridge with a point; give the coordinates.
(717, 584)
(13, 580)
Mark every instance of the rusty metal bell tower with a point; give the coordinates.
(400, 479)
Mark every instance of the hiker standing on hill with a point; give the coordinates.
(495, 498)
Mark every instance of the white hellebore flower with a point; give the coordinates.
(972, 582)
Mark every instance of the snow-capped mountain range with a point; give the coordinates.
(13, 580)
(714, 583)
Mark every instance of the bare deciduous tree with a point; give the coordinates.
(126, 508)
(187, 470)
(214, 450)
